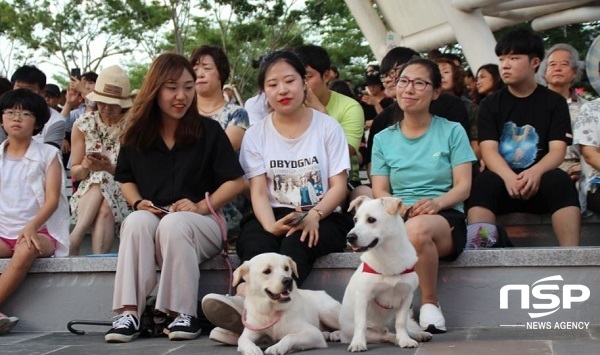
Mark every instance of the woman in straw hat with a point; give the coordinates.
(176, 168)
(98, 201)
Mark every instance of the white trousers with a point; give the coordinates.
(177, 243)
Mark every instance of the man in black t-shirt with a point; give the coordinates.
(524, 130)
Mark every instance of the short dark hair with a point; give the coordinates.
(30, 75)
(521, 41)
(434, 71)
(219, 57)
(279, 56)
(314, 56)
(90, 76)
(396, 56)
(27, 100)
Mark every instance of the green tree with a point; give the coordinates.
(77, 33)
(331, 25)
(245, 31)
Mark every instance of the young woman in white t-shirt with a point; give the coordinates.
(280, 154)
(33, 205)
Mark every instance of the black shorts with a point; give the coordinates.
(458, 223)
(556, 191)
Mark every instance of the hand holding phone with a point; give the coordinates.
(76, 72)
(298, 217)
(160, 208)
(94, 154)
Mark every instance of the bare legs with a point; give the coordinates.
(94, 210)
(20, 263)
(566, 223)
(431, 237)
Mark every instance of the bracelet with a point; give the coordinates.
(136, 203)
(319, 212)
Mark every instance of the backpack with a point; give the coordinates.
(487, 235)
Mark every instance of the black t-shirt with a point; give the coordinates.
(523, 127)
(165, 176)
(447, 106)
(370, 112)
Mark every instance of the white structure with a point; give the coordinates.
(427, 24)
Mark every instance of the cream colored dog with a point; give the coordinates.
(275, 309)
(384, 283)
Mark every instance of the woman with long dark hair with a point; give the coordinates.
(175, 167)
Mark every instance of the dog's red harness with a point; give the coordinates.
(369, 270)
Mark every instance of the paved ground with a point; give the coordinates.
(457, 341)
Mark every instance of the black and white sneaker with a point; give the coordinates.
(184, 327)
(7, 323)
(126, 327)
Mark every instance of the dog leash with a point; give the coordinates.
(220, 218)
(257, 329)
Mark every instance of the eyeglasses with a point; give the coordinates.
(392, 73)
(418, 84)
(23, 115)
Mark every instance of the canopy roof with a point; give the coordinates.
(428, 24)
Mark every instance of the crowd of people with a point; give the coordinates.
(180, 168)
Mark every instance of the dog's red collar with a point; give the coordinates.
(369, 270)
(258, 329)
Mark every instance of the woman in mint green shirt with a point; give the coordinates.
(426, 161)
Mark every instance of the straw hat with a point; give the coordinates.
(112, 87)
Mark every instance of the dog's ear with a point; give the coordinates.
(292, 264)
(240, 273)
(355, 204)
(391, 204)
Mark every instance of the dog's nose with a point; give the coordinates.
(351, 238)
(287, 282)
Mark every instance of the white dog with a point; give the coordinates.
(276, 309)
(384, 283)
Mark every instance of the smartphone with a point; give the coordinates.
(162, 209)
(298, 217)
(76, 72)
(94, 153)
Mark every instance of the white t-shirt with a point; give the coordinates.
(256, 106)
(297, 170)
(17, 203)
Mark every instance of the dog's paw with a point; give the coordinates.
(255, 350)
(276, 349)
(422, 336)
(357, 347)
(407, 342)
(333, 336)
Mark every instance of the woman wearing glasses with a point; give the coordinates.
(426, 161)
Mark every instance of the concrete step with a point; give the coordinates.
(62, 289)
(533, 230)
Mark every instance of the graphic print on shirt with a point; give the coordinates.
(297, 182)
(519, 145)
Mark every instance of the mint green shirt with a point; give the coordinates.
(421, 167)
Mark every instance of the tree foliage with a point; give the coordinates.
(333, 26)
(79, 33)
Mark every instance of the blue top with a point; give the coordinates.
(421, 167)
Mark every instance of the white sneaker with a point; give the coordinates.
(7, 323)
(224, 336)
(431, 319)
(224, 311)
